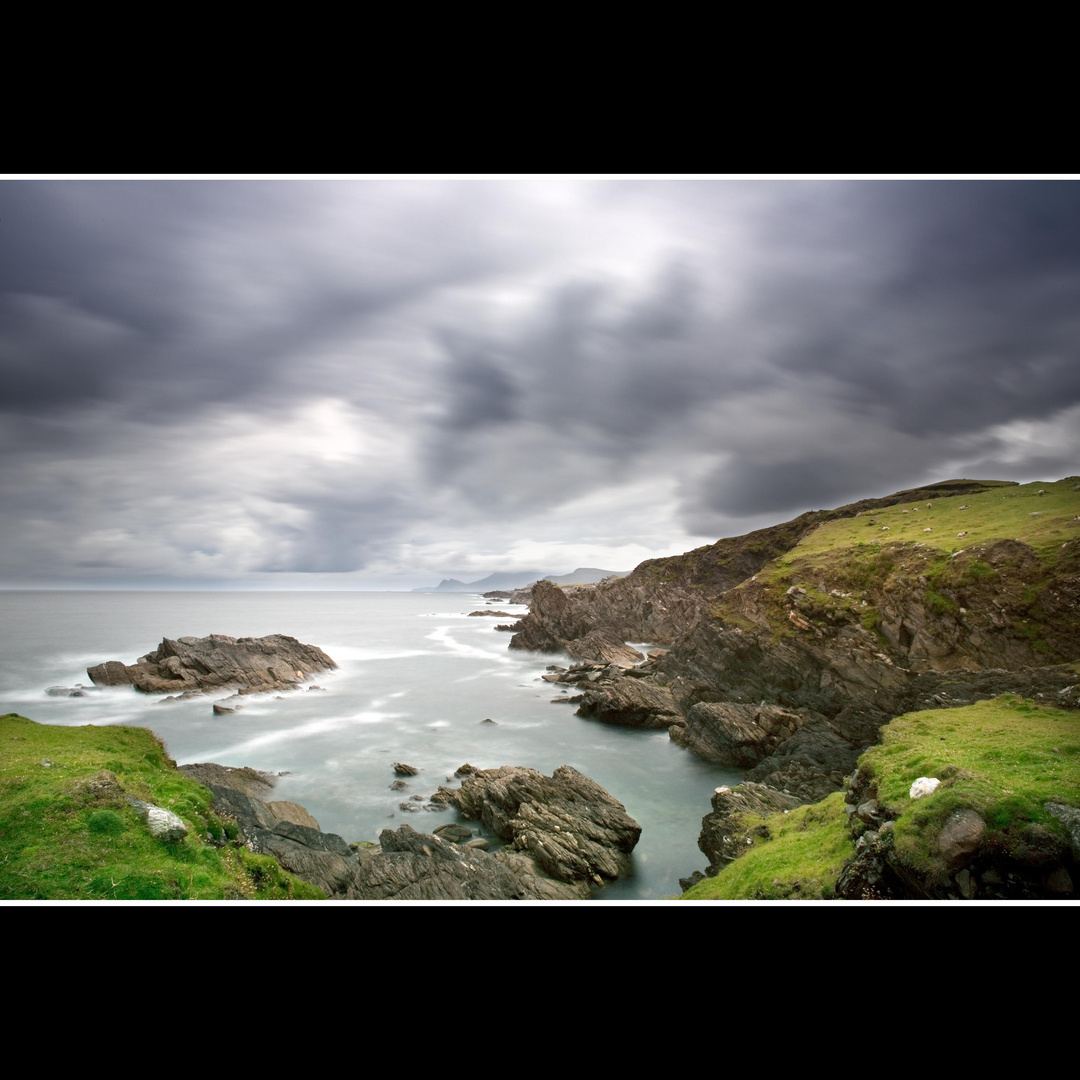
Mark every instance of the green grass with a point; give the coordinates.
(66, 836)
(1013, 512)
(801, 860)
(1004, 758)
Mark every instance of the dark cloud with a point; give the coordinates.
(235, 377)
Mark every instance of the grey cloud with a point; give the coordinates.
(765, 347)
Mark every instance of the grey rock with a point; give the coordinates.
(192, 665)
(163, 824)
(568, 824)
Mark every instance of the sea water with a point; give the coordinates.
(417, 678)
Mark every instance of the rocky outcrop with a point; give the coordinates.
(736, 814)
(632, 703)
(411, 865)
(736, 735)
(190, 665)
(283, 830)
(568, 824)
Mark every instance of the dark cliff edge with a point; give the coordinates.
(789, 648)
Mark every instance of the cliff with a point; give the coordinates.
(790, 647)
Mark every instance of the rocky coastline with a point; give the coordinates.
(788, 667)
(562, 836)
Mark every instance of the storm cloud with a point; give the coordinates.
(378, 382)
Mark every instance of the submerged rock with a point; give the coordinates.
(191, 665)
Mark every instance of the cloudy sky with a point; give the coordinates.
(378, 383)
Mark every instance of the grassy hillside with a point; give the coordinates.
(67, 831)
(1005, 511)
(1017, 560)
(1004, 759)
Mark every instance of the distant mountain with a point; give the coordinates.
(520, 578)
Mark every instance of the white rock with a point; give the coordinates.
(925, 785)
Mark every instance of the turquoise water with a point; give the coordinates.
(417, 677)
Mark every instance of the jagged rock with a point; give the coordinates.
(736, 735)
(631, 702)
(190, 665)
(571, 827)
(405, 770)
(283, 830)
(417, 866)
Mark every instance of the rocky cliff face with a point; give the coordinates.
(787, 658)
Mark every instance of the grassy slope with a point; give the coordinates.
(62, 840)
(1012, 512)
(1004, 758)
(796, 855)
(855, 555)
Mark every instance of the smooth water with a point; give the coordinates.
(417, 677)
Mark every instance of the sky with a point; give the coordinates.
(377, 383)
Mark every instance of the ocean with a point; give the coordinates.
(416, 679)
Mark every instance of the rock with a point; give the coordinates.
(960, 838)
(721, 838)
(1069, 816)
(632, 702)
(924, 785)
(497, 614)
(163, 824)
(405, 770)
(454, 833)
(192, 665)
(283, 830)
(417, 866)
(736, 735)
(573, 829)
